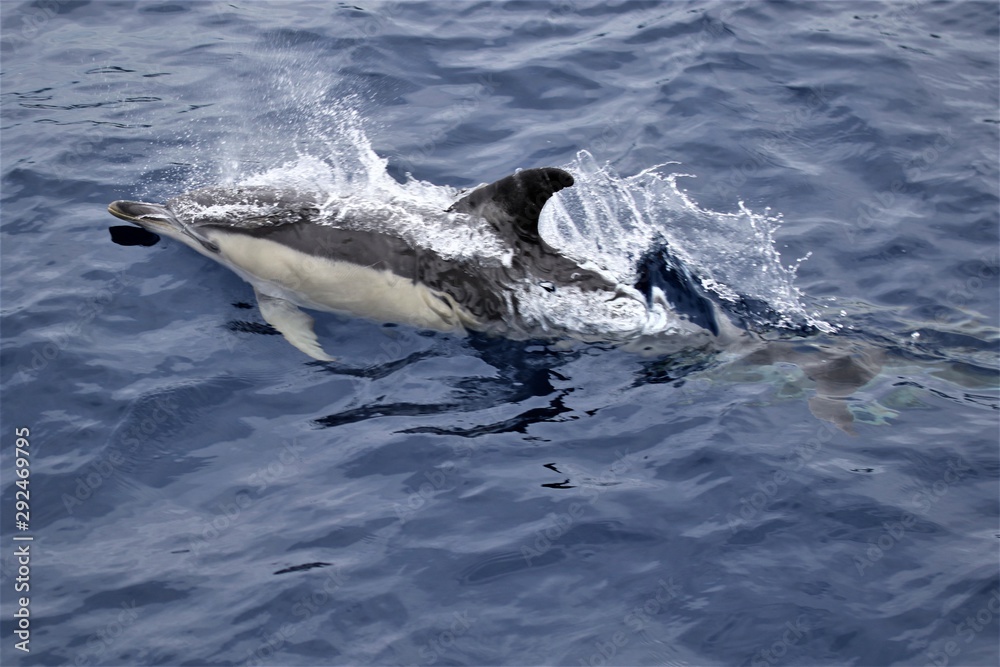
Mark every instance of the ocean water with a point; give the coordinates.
(201, 493)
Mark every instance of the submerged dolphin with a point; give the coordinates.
(332, 255)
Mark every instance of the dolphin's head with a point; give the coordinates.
(151, 217)
(155, 219)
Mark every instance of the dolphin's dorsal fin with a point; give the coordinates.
(515, 202)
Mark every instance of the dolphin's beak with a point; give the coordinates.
(150, 218)
(158, 219)
(139, 212)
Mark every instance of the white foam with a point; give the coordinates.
(613, 220)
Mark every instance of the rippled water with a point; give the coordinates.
(203, 494)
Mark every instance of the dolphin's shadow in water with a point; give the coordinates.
(675, 368)
(374, 371)
(242, 326)
(126, 235)
(525, 369)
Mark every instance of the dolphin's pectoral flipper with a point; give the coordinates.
(516, 201)
(294, 324)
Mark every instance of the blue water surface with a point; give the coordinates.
(201, 493)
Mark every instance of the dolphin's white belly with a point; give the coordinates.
(323, 284)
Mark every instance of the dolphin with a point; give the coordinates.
(305, 250)
(339, 254)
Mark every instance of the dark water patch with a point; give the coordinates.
(505, 564)
(302, 568)
(134, 595)
(384, 410)
(109, 69)
(530, 377)
(165, 8)
(518, 424)
(344, 536)
(378, 371)
(240, 326)
(674, 368)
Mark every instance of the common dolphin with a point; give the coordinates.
(299, 249)
(337, 254)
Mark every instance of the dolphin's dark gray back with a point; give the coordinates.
(245, 207)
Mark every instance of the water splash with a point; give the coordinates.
(606, 222)
(612, 220)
